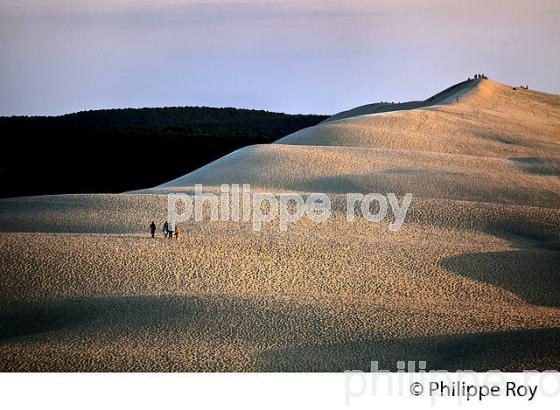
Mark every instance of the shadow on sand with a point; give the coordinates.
(537, 349)
(126, 312)
(100, 321)
(533, 274)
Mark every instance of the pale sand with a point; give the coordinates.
(472, 280)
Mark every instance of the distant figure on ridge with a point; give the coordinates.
(153, 229)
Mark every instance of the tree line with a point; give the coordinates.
(119, 150)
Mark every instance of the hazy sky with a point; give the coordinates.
(305, 56)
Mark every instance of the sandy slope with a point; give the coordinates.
(474, 268)
(496, 145)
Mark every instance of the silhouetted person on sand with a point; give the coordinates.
(165, 229)
(153, 229)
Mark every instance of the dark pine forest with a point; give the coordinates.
(119, 150)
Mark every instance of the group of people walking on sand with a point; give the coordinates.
(167, 231)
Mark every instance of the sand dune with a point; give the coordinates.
(496, 145)
(473, 269)
(344, 169)
(490, 120)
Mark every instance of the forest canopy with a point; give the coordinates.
(118, 150)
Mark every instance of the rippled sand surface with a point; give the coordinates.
(470, 281)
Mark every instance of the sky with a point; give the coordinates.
(305, 56)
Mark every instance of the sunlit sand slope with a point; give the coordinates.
(495, 145)
(490, 120)
(342, 169)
